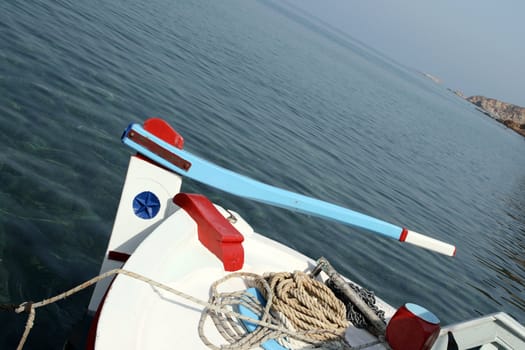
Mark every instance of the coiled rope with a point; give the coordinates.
(307, 303)
(289, 323)
(303, 311)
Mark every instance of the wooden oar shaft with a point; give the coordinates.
(189, 165)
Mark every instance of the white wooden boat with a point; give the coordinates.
(186, 243)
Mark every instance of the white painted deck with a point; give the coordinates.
(138, 316)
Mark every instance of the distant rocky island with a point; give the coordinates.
(506, 113)
(511, 115)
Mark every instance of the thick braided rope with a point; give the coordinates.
(308, 304)
(30, 308)
(309, 333)
(270, 327)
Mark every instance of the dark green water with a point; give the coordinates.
(266, 91)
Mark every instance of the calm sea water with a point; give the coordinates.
(266, 90)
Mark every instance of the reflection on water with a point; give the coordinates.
(507, 260)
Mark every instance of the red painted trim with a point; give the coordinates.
(215, 232)
(454, 253)
(158, 150)
(118, 256)
(403, 235)
(92, 334)
(164, 131)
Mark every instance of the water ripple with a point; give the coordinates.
(270, 93)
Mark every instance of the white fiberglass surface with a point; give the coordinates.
(138, 316)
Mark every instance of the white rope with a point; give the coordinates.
(269, 330)
(298, 330)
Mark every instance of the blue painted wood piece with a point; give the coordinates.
(250, 327)
(240, 185)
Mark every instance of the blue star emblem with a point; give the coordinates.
(146, 205)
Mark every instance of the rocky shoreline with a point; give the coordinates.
(510, 115)
(506, 113)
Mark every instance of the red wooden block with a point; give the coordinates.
(215, 232)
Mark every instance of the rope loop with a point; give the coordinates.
(307, 303)
(300, 311)
(26, 307)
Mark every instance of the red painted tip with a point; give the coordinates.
(403, 235)
(164, 131)
(454, 254)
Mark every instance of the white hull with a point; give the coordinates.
(132, 314)
(186, 265)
